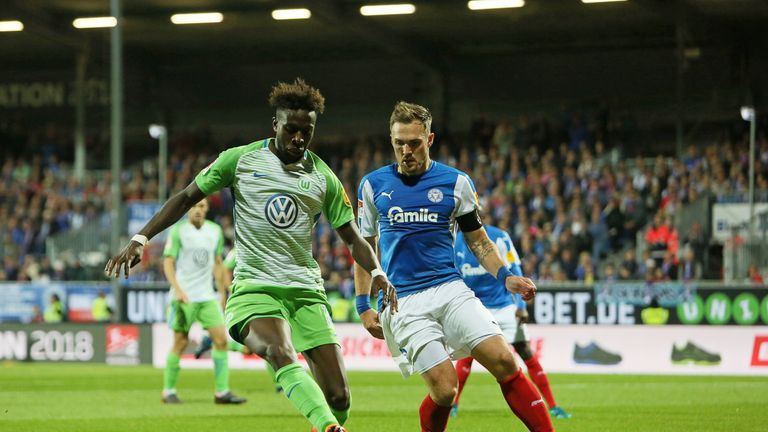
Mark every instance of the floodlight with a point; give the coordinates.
(156, 131)
(388, 9)
(494, 4)
(11, 26)
(747, 113)
(94, 22)
(291, 14)
(197, 18)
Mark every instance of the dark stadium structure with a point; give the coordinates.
(622, 145)
(602, 132)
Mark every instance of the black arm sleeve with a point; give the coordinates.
(470, 221)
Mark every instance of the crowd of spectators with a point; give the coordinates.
(568, 199)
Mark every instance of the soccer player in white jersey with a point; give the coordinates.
(409, 211)
(192, 258)
(278, 304)
(508, 309)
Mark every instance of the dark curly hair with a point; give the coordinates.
(297, 95)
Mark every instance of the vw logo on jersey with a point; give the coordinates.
(435, 195)
(281, 210)
(200, 257)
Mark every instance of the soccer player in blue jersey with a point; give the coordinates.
(409, 211)
(508, 309)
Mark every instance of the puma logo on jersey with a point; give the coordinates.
(388, 195)
(397, 215)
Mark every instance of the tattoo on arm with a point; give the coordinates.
(482, 248)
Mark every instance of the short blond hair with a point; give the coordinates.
(406, 112)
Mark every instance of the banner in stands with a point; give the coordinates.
(360, 350)
(23, 302)
(726, 217)
(53, 93)
(578, 306)
(122, 346)
(640, 293)
(711, 305)
(144, 305)
(561, 348)
(76, 343)
(694, 350)
(27, 302)
(80, 300)
(721, 306)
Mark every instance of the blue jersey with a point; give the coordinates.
(491, 292)
(415, 218)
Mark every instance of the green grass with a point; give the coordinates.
(99, 398)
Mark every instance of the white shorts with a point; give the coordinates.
(513, 332)
(449, 314)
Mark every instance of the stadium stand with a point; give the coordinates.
(572, 204)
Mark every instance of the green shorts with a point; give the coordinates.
(181, 316)
(305, 310)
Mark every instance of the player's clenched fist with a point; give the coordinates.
(521, 285)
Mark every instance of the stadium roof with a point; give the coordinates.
(438, 30)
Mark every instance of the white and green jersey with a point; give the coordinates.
(195, 250)
(231, 259)
(276, 207)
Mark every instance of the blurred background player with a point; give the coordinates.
(278, 304)
(509, 310)
(413, 206)
(192, 254)
(228, 267)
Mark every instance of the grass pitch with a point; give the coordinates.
(100, 398)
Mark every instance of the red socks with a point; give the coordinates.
(463, 368)
(524, 400)
(521, 396)
(434, 418)
(540, 379)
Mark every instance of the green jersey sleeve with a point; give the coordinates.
(172, 243)
(220, 245)
(221, 172)
(336, 207)
(230, 260)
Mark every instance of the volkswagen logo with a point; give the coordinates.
(281, 210)
(200, 257)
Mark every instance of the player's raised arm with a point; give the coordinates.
(172, 210)
(490, 258)
(217, 175)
